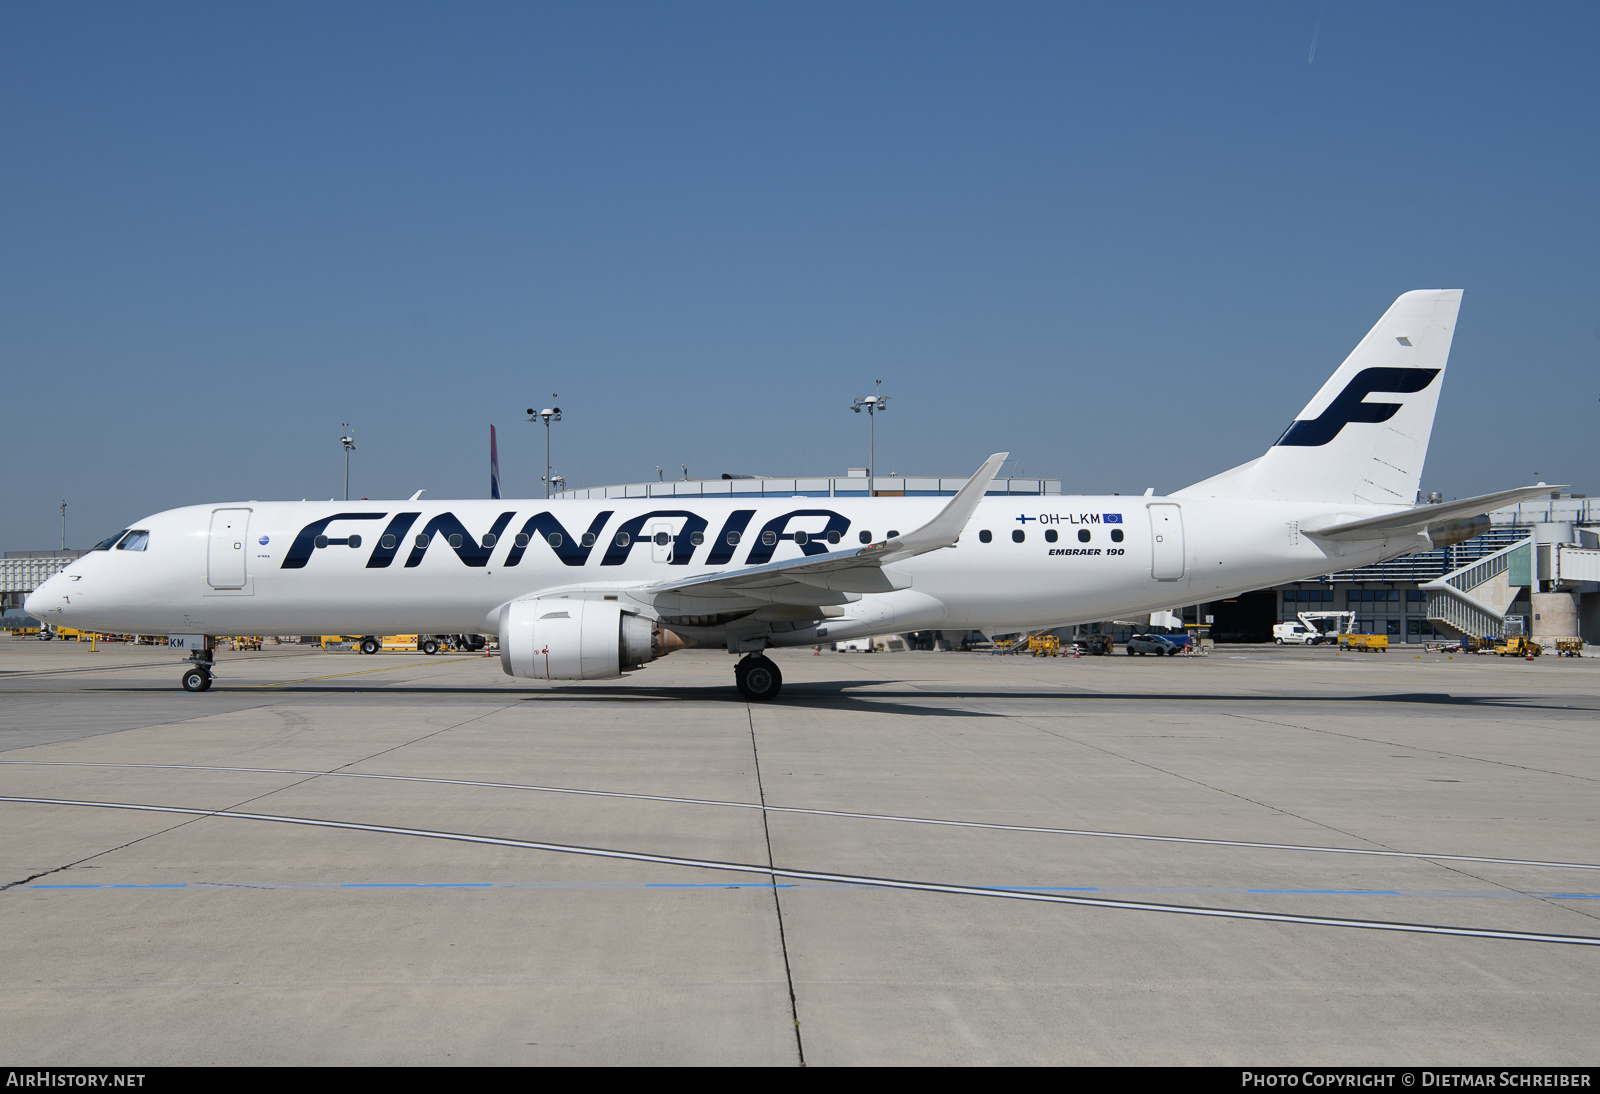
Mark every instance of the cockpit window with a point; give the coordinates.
(105, 544)
(135, 540)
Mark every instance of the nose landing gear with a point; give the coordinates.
(757, 678)
(197, 677)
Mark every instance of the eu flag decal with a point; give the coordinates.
(1110, 518)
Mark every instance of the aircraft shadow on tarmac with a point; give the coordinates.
(889, 698)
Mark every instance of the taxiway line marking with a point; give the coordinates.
(982, 825)
(846, 879)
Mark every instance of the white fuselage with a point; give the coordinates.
(261, 568)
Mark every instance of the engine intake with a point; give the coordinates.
(560, 639)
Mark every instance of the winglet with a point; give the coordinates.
(944, 528)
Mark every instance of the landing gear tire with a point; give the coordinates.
(196, 679)
(1132, 651)
(430, 647)
(758, 679)
(369, 645)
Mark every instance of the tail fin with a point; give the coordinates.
(1363, 438)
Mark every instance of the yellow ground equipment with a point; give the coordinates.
(372, 643)
(1371, 643)
(1044, 645)
(1569, 647)
(248, 642)
(1518, 647)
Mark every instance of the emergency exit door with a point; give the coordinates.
(225, 557)
(1166, 542)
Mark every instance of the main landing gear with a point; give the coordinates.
(758, 678)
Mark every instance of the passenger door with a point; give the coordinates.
(225, 555)
(1166, 542)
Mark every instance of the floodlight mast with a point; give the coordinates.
(873, 404)
(348, 439)
(549, 414)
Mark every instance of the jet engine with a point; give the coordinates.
(563, 639)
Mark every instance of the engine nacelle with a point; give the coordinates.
(560, 639)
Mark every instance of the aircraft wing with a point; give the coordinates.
(1421, 517)
(826, 578)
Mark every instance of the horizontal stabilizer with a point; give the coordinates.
(1423, 516)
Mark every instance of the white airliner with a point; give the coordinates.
(584, 590)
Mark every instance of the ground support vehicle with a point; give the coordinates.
(427, 643)
(1371, 643)
(1518, 647)
(1314, 628)
(1044, 645)
(1569, 647)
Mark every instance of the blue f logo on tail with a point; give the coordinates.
(1348, 407)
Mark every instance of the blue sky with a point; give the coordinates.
(1125, 242)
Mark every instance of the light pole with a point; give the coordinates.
(348, 439)
(872, 404)
(549, 414)
(63, 524)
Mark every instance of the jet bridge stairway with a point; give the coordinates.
(1473, 600)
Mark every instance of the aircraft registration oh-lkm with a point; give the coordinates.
(585, 590)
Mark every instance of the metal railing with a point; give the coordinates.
(1450, 599)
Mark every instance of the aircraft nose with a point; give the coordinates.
(38, 602)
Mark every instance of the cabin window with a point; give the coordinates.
(588, 539)
(387, 543)
(893, 533)
(697, 538)
(522, 539)
(321, 542)
(454, 540)
(865, 537)
(1051, 535)
(355, 541)
(422, 541)
(1083, 535)
(1018, 536)
(1116, 535)
(986, 536)
(733, 539)
(833, 537)
(802, 538)
(663, 538)
(553, 539)
(769, 538)
(135, 541)
(623, 539)
(488, 539)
